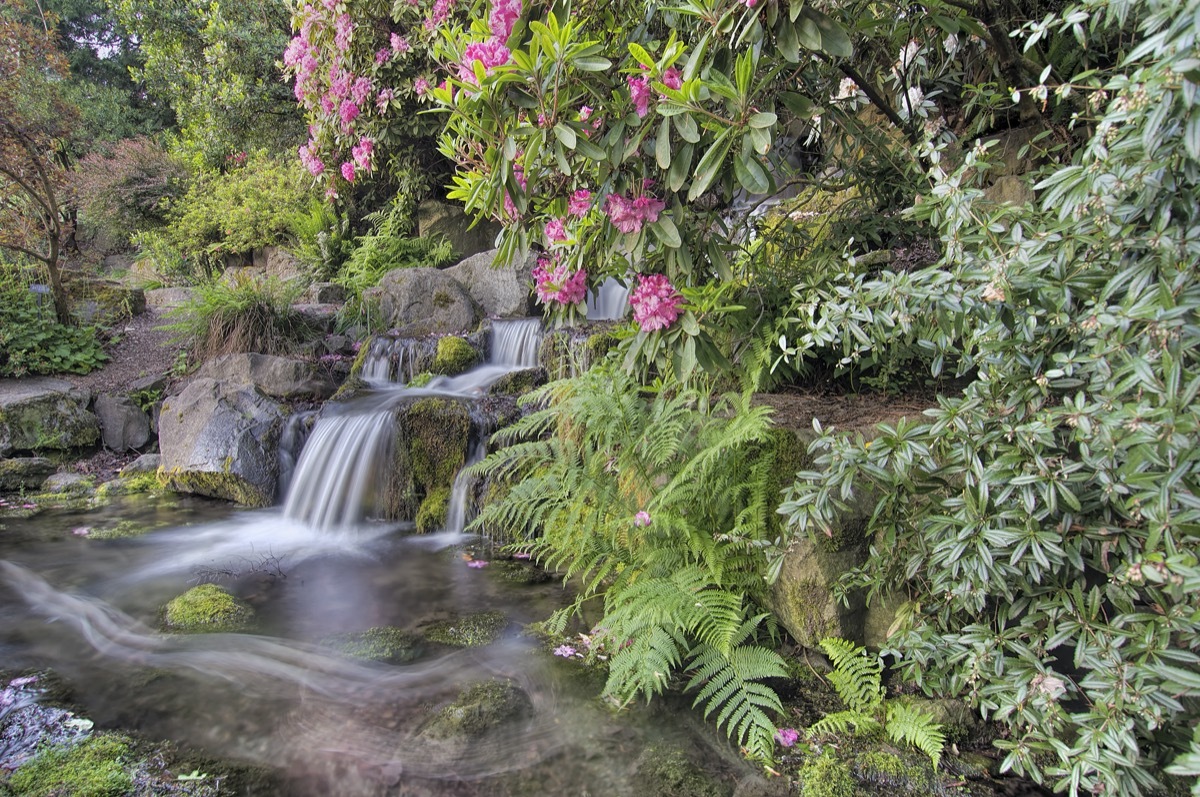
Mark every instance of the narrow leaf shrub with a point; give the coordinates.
(130, 187)
(240, 315)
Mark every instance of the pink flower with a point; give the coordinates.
(399, 44)
(441, 10)
(420, 86)
(629, 215)
(491, 53)
(785, 736)
(566, 651)
(345, 30)
(383, 98)
(382, 55)
(556, 231)
(310, 160)
(348, 171)
(655, 302)
(296, 50)
(641, 519)
(750, 3)
(554, 284)
(639, 92)
(362, 153)
(584, 112)
(339, 84)
(673, 79)
(361, 89)
(504, 16)
(82, 531)
(648, 208)
(522, 555)
(580, 203)
(478, 563)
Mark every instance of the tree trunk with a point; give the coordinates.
(62, 309)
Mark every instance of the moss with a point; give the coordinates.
(226, 485)
(519, 572)
(479, 708)
(360, 359)
(454, 355)
(386, 644)
(145, 482)
(432, 514)
(468, 631)
(437, 431)
(518, 383)
(668, 772)
(442, 299)
(97, 767)
(894, 774)
(826, 776)
(349, 389)
(422, 379)
(555, 354)
(599, 345)
(124, 529)
(207, 608)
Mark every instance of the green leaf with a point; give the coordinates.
(710, 165)
(565, 134)
(640, 55)
(665, 231)
(751, 175)
(798, 104)
(592, 63)
(834, 40)
(589, 150)
(761, 120)
(681, 167)
(688, 130)
(662, 144)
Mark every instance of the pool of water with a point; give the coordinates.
(88, 609)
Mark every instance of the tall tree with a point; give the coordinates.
(35, 122)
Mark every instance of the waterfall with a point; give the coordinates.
(397, 360)
(460, 493)
(341, 469)
(516, 343)
(608, 302)
(291, 442)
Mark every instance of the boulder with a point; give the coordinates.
(320, 317)
(207, 608)
(1009, 190)
(443, 218)
(480, 708)
(324, 293)
(424, 301)
(278, 263)
(67, 482)
(41, 413)
(221, 440)
(95, 301)
(123, 424)
(146, 463)
(279, 377)
(502, 292)
(803, 596)
(24, 473)
(165, 298)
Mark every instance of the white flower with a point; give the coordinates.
(912, 101)
(908, 54)
(950, 43)
(847, 88)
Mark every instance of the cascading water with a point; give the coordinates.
(345, 463)
(460, 492)
(291, 441)
(608, 302)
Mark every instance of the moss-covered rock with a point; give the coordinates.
(598, 345)
(478, 709)
(666, 771)
(384, 644)
(555, 354)
(207, 608)
(454, 355)
(24, 473)
(518, 383)
(124, 529)
(133, 484)
(467, 631)
(826, 776)
(437, 432)
(422, 379)
(519, 572)
(894, 774)
(100, 766)
(432, 514)
(40, 414)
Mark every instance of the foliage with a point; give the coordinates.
(858, 678)
(33, 342)
(321, 238)
(378, 253)
(659, 507)
(240, 315)
(35, 121)
(1043, 524)
(215, 64)
(129, 187)
(99, 766)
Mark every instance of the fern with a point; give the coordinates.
(858, 678)
(681, 595)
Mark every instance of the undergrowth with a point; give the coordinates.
(241, 315)
(33, 342)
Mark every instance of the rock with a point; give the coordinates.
(467, 631)
(42, 413)
(221, 440)
(321, 317)
(519, 382)
(149, 384)
(164, 298)
(123, 424)
(324, 293)
(279, 377)
(478, 709)
(1009, 190)
(387, 644)
(1014, 152)
(67, 483)
(504, 292)
(431, 516)
(803, 598)
(146, 463)
(666, 771)
(99, 301)
(758, 786)
(423, 301)
(278, 263)
(454, 355)
(878, 619)
(206, 609)
(24, 473)
(443, 218)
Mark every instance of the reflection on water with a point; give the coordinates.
(88, 608)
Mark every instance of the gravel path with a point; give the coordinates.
(144, 349)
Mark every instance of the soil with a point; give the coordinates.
(142, 348)
(843, 411)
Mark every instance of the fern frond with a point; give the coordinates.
(644, 666)
(731, 686)
(840, 723)
(908, 723)
(857, 675)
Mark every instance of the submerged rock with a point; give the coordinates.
(38, 414)
(207, 609)
(666, 771)
(467, 631)
(384, 644)
(478, 709)
(221, 440)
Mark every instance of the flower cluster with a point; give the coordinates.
(628, 215)
(641, 519)
(787, 737)
(655, 304)
(491, 53)
(555, 284)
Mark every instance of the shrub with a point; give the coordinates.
(240, 315)
(321, 238)
(33, 342)
(129, 188)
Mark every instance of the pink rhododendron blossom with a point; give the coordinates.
(491, 53)
(361, 90)
(542, 120)
(580, 203)
(629, 215)
(327, 105)
(505, 14)
(382, 56)
(345, 30)
(339, 83)
(330, 5)
(655, 302)
(383, 98)
(348, 171)
(348, 112)
(786, 736)
(438, 14)
(420, 86)
(296, 50)
(556, 285)
(585, 112)
(648, 208)
(750, 3)
(556, 231)
(399, 44)
(641, 519)
(639, 92)
(362, 153)
(565, 651)
(308, 157)
(673, 79)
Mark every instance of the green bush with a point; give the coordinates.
(321, 238)
(240, 315)
(33, 342)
